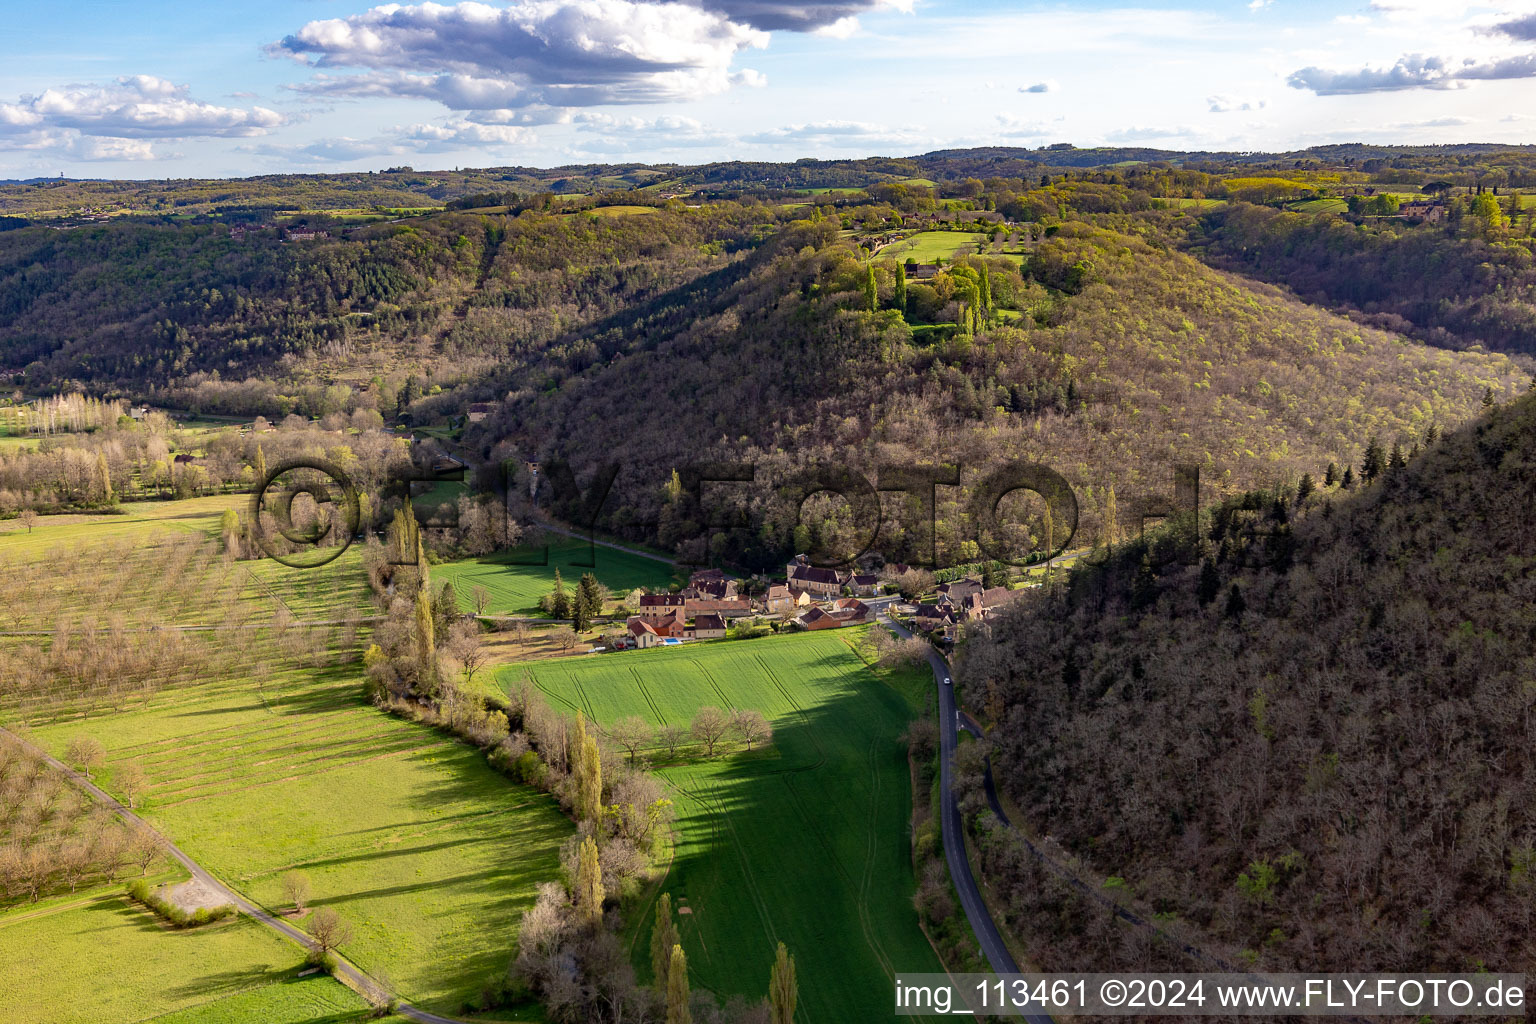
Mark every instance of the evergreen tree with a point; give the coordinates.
(589, 885)
(1331, 477)
(1305, 488)
(994, 575)
(663, 938)
(559, 600)
(589, 602)
(1396, 460)
(900, 298)
(1235, 603)
(783, 992)
(1488, 398)
(678, 1011)
(1348, 480)
(1375, 460)
(871, 290)
(1210, 583)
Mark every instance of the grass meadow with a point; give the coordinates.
(430, 854)
(927, 246)
(517, 578)
(804, 842)
(260, 756)
(94, 957)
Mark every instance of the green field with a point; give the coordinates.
(264, 765)
(516, 580)
(805, 842)
(927, 246)
(95, 957)
(429, 853)
(1320, 206)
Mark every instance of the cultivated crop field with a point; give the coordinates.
(516, 580)
(805, 842)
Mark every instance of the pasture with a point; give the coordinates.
(805, 841)
(927, 246)
(430, 854)
(94, 956)
(517, 578)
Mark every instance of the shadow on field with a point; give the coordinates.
(810, 847)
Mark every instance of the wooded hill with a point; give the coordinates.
(1129, 357)
(1317, 747)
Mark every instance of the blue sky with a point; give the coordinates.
(158, 88)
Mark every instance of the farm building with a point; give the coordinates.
(708, 627)
(657, 606)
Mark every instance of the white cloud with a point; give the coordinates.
(569, 53)
(1228, 104)
(135, 107)
(795, 16)
(1151, 133)
(1259, 5)
(834, 133)
(1049, 85)
(1414, 71)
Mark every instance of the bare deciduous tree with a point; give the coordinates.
(631, 733)
(85, 752)
(710, 725)
(752, 727)
(296, 890)
(329, 929)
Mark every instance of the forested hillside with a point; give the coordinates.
(1128, 357)
(133, 304)
(1316, 744)
(1470, 283)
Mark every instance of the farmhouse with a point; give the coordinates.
(642, 633)
(780, 600)
(921, 271)
(1429, 211)
(710, 583)
(817, 582)
(734, 608)
(658, 606)
(847, 611)
(979, 607)
(932, 616)
(957, 595)
(670, 625)
(708, 627)
(865, 584)
(479, 411)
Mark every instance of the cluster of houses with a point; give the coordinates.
(964, 600)
(812, 597)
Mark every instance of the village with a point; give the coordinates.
(810, 598)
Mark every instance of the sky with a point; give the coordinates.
(174, 89)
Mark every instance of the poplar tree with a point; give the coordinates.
(589, 774)
(783, 992)
(871, 290)
(426, 642)
(677, 989)
(663, 938)
(900, 298)
(260, 466)
(104, 477)
(589, 884)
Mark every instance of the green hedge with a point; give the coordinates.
(139, 891)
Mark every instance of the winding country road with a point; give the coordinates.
(992, 945)
(344, 970)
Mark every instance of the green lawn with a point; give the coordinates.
(97, 957)
(516, 581)
(927, 246)
(805, 842)
(432, 856)
(316, 999)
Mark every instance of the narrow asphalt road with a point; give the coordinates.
(992, 945)
(359, 980)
